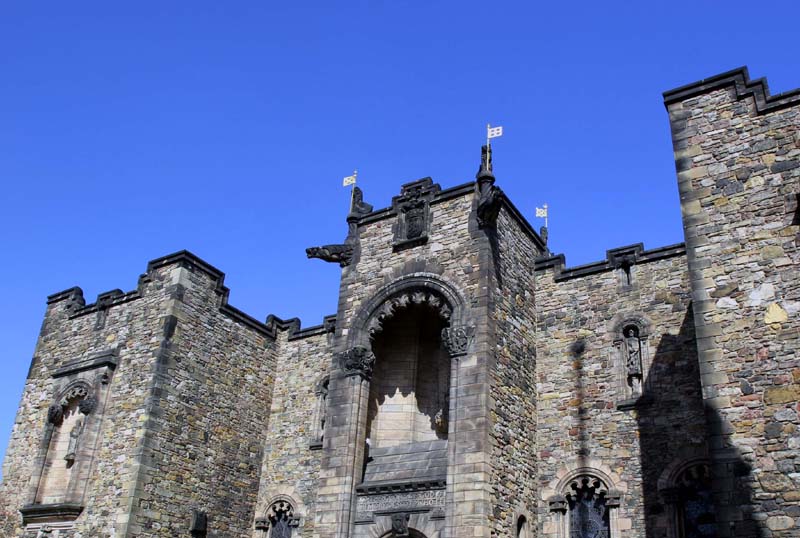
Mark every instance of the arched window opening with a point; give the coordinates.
(280, 521)
(588, 512)
(522, 527)
(695, 506)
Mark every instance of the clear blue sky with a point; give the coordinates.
(131, 130)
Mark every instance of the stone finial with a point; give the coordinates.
(360, 207)
(488, 194)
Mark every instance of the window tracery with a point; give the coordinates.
(280, 520)
(585, 508)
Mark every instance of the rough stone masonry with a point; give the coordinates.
(470, 384)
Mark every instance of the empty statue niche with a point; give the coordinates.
(407, 418)
(410, 385)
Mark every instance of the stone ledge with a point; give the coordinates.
(105, 359)
(398, 486)
(46, 513)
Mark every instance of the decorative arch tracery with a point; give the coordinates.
(280, 520)
(419, 288)
(586, 506)
(686, 491)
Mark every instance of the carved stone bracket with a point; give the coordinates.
(415, 296)
(613, 498)
(341, 254)
(356, 361)
(557, 503)
(413, 213)
(400, 524)
(456, 340)
(86, 404)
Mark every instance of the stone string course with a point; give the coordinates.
(206, 410)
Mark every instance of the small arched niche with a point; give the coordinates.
(409, 392)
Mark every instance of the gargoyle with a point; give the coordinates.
(341, 254)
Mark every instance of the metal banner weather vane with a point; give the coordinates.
(351, 180)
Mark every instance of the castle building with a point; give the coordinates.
(470, 384)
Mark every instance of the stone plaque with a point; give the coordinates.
(367, 505)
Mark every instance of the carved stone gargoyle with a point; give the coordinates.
(341, 254)
(488, 194)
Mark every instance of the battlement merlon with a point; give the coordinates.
(616, 258)
(72, 302)
(739, 80)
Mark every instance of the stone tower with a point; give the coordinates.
(470, 384)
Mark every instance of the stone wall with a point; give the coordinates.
(179, 423)
(588, 421)
(131, 328)
(291, 450)
(452, 257)
(737, 153)
(206, 413)
(513, 387)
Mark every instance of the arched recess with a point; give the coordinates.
(69, 437)
(685, 488)
(631, 339)
(412, 327)
(320, 414)
(371, 316)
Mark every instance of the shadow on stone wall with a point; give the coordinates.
(675, 429)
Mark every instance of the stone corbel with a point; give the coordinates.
(356, 361)
(400, 525)
(456, 340)
(557, 503)
(613, 499)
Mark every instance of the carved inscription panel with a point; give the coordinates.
(389, 502)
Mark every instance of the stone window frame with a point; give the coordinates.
(555, 497)
(522, 522)
(92, 377)
(282, 503)
(668, 484)
(626, 399)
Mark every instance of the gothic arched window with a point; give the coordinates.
(585, 508)
(588, 513)
(280, 521)
(522, 527)
(695, 508)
